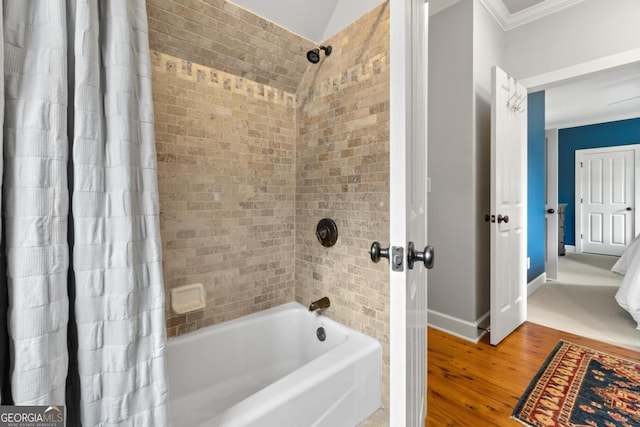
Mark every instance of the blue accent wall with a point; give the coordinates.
(535, 185)
(623, 132)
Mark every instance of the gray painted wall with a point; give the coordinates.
(590, 30)
(488, 51)
(451, 285)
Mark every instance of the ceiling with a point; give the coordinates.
(515, 6)
(605, 96)
(315, 20)
(514, 13)
(600, 97)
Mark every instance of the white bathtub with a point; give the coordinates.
(270, 369)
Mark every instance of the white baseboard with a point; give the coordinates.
(536, 283)
(472, 331)
(570, 248)
(460, 328)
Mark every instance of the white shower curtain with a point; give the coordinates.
(81, 216)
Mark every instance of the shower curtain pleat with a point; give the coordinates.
(36, 204)
(5, 383)
(117, 256)
(100, 206)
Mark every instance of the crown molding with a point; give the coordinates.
(508, 21)
(498, 10)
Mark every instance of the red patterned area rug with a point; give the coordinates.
(578, 386)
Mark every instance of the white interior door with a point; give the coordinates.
(408, 161)
(551, 204)
(605, 199)
(508, 205)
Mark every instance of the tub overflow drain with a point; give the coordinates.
(321, 334)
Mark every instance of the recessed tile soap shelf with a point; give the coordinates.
(188, 298)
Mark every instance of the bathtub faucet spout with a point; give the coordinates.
(320, 304)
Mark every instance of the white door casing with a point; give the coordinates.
(606, 196)
(408, 160)
(551, 204)
(508, 199)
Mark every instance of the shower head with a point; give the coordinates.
(313, 55)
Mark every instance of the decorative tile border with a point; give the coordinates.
(197, 73)
(338, 82)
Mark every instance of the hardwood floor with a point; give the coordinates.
(479, 385)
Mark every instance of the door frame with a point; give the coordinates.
(553, 78)
(561, 75)
(551, 202)
(578, 211)
(408, 115)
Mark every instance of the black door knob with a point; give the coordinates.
(377, 252)
(427, 257)
(551, 211)
(504, 219)
(629, 208)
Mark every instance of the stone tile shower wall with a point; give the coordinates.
(224, 81)
(226, 179)
(342, 172)
(223, 36)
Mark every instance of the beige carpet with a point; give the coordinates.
(588, 269)
(582, 301)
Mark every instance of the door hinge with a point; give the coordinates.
(581, 164)
(581, 236)
(580, 199)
